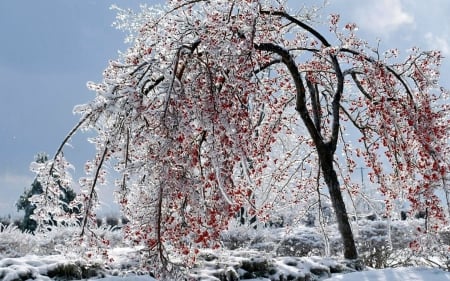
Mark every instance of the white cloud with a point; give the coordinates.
(14, 179)
(437, 42)
(382, 16)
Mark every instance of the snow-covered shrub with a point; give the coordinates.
(15, 243)
(444, 236)
(236, 238)
(302, 243)
(431, 249)
(299, 241)
(374, 245)
(386, 243)
(243, 236)
(46, 268)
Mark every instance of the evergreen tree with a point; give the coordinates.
(24, 204)
(67, 196)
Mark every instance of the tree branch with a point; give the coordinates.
(145, 91)
(338, 72)
(64, 142)
(314, 96)
(388, 68)
(92, 192)
(303, 25)
(300, 88)
(262, 68)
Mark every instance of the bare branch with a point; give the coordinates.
(92, 192)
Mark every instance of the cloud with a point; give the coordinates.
(10, 180)
(382, 16)
(438, 42)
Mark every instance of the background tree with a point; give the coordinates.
(223, 104)
(27, 223)
(66, 196)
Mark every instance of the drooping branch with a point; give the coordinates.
(387, 67)
(64, 142)
(301, 107)
(159, 230)
(178, 70)
(337, 71)
(262, 68)
(69, 136)
(92, 191)
(360, 87)
(303, 25)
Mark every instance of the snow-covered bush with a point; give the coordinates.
(14, 242)
(401, 243)
(381, 243)
(302, 243)
(242, 236)
(444, 236)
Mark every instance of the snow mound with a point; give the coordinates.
(56, 267)
(254, 265)
(242, 266)
(28, 267)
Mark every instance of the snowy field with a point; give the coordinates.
(38, 268)
(50, 257)
(395, 274)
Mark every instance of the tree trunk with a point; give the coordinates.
(331, 179)
(325, 149)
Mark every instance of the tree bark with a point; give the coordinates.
(337, 201)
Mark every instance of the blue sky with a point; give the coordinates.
(51, 48)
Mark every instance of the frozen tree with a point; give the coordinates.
(67, 195)
(223, 104)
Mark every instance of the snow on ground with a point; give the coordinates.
(30, 267)
(39, 268)
(128, 278)
(266, 255)
(46, 268)
(395, 274)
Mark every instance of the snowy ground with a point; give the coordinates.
(25, 257)
(38, 268)
(395, 274)
(45, 268)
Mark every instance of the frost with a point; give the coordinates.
(226, 111)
